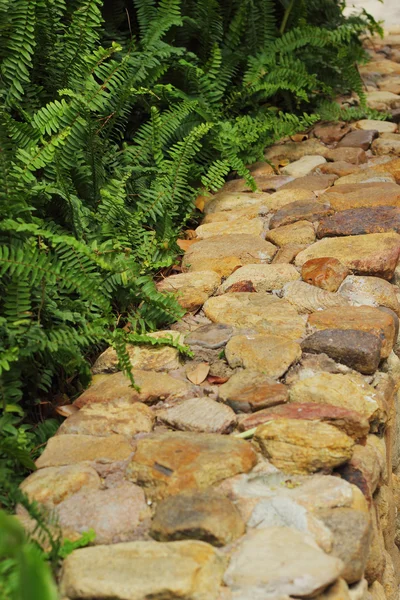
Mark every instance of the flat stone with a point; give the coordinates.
(362, 318)
(261, 312)
(313, 183)
(366, 176)
(358, 195)
(258, 209)
(359, 221)
(351, 422)
(52, 485)
(136, 570)
(351, 531)
(264, 278)
(261, 168)
(369, 291)
(324, 273)
(226, 201)
(380, 126)
(341, 168)
(288, 253)
(355, 156)
(192, 289)
(380, 100)
(103, 419)
(389, 166)
(118, 514)
(263, 183)
(276, 561)
(301, 210)
(143, 356)
(301, 232)
(249, 391)
(383, 67)
(70, 449)
(300, 446)
(303, 166)
(269, 354)
(308, 298)
(373, 254)
(282, 197)
(253, 226)
(224, 254)
(117, 388)
(348, 391)
(358, 350)
(358, 139)
(199, 414)
(201, 515)
(294, 150)
(385, 146)
(390, 84)
(213, 336)
(330, 133)
(165, 464)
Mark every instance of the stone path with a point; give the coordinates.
(266, 467)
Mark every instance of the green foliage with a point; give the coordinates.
(114, 113)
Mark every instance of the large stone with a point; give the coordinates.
(118, 514)
(282, 197)
(279, 561)
(341, 168)
(348, 391)
(389, 166)
(358, 350)
(269, 354)
(253, 211)
(69, 449)
(324, 273)
(303, 166)
(250, 226)
(362, 318)
(358, 195)
(309, 298)
(301, 232)
(294, 150)
(385, 146)
(288, 253)
(261, 312)
(366, 467)
(199, 414)
(264, 278)
(358, 139)
(137, 570)
(165, 464)
(249, 391)
(52, 485)
(358, 221)
(330, 133)
(383, 67)
(191, 289)
(264, 183)
(365, 176)
(313, 183)
(300, 446)
(380, 126)
(374, 254)
(230, 201)
(143, 356)
(351, 531)
(210, 336)
(104, 419)
(369, 291)
(301, 210)
(206, 516)
(224, 254)
(118, 388)
(381, 100)
(356, 156)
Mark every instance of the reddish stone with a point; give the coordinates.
(298, 211)
(349, 421)
(310, 182)
(255, 397)
(357, 221)
(325, 273)
(329, 133)
(358, 139)
(241, 286)
(341, 168)
(356, 156)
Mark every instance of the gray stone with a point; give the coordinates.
(210, 336)
(199, 414)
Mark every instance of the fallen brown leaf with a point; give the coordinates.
(67, 410)
(199, 373)
(214, 379)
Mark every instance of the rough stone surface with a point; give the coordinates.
(358, 139)
(264, 278)
(374, 254)
(358, 350)
(288, 253)
(248, 391)
(231, 201)
(380, 126)
(313, 183)
(253, 226)
(224, 254)
(341, 168)
(331, 132)
(369, 291)
(308, 298)
(279, 199)
(387, 146)
(365, 176)
(325, 273)
(211, 336)
(192, 289)
(270, 563)
(294, 151)
(206, 516)
(301, 232)
(300, 210)
(299, 446)
(199, 414)
(165, 464)
(382, 100)
(303, 166)
(269, 354)
(358, 221)
(359, 195)
(262, 312)
(356, 156)
(137, 570)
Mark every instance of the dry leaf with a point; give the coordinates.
(299, 137)
(67, 410)
(214, 379)
(199, 373)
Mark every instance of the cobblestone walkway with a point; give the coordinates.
(267, 466)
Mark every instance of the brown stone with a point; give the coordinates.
(299, 446)
(329, 133)
(376, 560)
(313, 183)
(301, 232)
(363, 176)
(372, 254)
(288, 253)
(279, 199)
(358, 221)
(263, 182)
(261, 168)
(269, 354)
(200, 515)
(294, 150)
(358, 139)
(387, 146)
(192, 289)
(249, 391)
(229, 202)
(199, 414)
(361, 318)
(365, 468)
(325, 273)
(301, 210)
(356, 156)
(358, 195)
(165, 464)
(351, 422)
(392, 167)
(341, 168)
(263, 278)
(358, 350)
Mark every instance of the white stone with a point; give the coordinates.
(303, 166)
